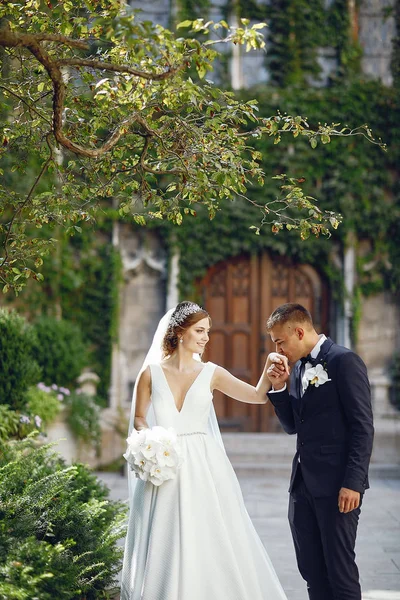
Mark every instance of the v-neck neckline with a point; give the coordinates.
(187, 391)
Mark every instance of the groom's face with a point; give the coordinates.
(288, 340)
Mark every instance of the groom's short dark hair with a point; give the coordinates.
(289, 312)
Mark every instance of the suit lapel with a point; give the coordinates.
(326, 346)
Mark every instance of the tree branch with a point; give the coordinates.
(12, 39)
(67, 41)
(107, 66)
(27, 199)
(148, 169)
(27, 104)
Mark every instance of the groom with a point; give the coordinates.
(326, 401)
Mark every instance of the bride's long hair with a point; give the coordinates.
(184, 316)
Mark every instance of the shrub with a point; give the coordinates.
(18, 368)
(59, 350)
(83, 418)
(9, 422)
(43, 402)
(58, 531)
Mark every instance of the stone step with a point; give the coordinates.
(255, 446)
(253, 454)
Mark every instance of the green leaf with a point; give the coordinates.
(66, 28)
(201, 70)
(186, 23)
(313, 142)
(140, 220)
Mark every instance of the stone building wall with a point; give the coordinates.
(378, 340)
(143, 293)
(142, 304)
(377, 29)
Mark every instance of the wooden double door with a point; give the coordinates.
(240, 294)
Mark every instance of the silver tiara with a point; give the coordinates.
(180, 316)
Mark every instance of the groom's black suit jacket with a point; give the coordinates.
(333, 423)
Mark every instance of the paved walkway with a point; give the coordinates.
(378, 542)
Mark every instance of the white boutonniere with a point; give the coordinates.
(316, 376)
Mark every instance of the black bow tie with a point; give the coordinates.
(308, 359)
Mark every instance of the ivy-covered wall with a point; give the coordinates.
(349, 176)
(81, 284)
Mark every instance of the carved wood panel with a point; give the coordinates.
(240, 294)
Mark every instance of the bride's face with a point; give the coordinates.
(196, 337)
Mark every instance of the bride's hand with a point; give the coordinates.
(277, 370)
(278, 360)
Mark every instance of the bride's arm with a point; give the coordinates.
(226, 383)
(143, 399)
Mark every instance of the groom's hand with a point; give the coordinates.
(348, 500)
(277, 370)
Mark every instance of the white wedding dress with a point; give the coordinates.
(191, 538)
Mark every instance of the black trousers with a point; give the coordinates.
(324, 541)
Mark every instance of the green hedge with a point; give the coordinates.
(58, 531)
(18, 368)
(59, 350)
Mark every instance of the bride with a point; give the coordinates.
(191, 538)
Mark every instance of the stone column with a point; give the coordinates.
(236, 62)
(172, 287)
(346, 262)
(349, 272)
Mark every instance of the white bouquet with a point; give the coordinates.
(154, 454)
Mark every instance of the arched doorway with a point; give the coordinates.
(240, 294)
